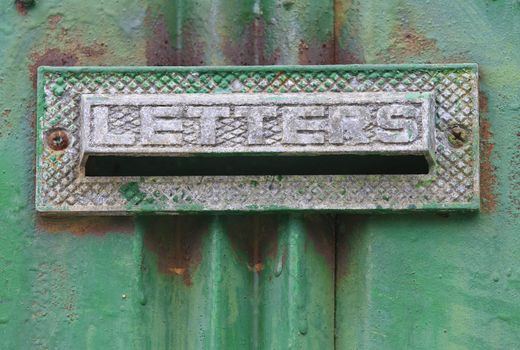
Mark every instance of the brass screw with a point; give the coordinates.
(58, 140)
(457, 136)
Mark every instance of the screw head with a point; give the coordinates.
(457, 136)
(58, 139)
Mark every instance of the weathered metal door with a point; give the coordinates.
(281, 280)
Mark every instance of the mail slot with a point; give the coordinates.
(306, 138)
(257, 134)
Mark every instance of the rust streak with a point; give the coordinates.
(316, 53)
(82, 226)
(487, 170)
(70, 56)
(244, 51)
(408, 43)
(321, 231)
(53, 21)
(161, 51)
(98, 49)
(259, 44)
(349, 230)
(20, 7)
(176, 241)
(346, 49)
(50, 57)
(254, 239)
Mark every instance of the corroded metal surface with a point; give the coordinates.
(216, 110)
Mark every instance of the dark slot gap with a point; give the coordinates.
(236, 165)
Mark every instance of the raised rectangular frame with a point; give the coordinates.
(449, 94)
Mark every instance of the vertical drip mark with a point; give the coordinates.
(179, 25)
(138, 262)
(336, 228)
(138, 257)
(256, 286)
(216, 233)
(256, 310)
(297, 278)
(256, 32)
(214, 47)
(335, 32)
(279, 264)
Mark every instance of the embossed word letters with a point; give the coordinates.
(326, 123)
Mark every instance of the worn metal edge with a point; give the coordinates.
(476, 140)
(40, 111)
(430, 208)
(351, 67)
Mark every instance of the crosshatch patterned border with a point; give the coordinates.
(453, 183)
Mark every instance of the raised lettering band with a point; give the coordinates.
(324, 123)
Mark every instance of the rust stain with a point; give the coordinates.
(53, 21)
(349, 229)
(251, 48)
(245, 50)
(61, 48)
(408, 43)
(346, 47)
(347, 57)
(96, 50)
(50, 57)
(256, 267)
(316, 53)
(161, 51)
(321, 231)
(20, 7)
(274, 58)
(64, 57)
(259, 43)
(254, 239)
(342, 10)
(82, 226)
(258, 34)
(58, 140)
(303, 49)
(483, 102)
(487, 170)
(177, 243)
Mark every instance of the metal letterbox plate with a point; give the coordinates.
(421, 110)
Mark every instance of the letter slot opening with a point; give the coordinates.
(260, 165)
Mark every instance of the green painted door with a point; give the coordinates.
(285, 281)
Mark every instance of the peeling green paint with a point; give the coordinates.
(424, 183)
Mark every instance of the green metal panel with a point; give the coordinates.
(439, 281)
(171, 282)
(402, 281)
